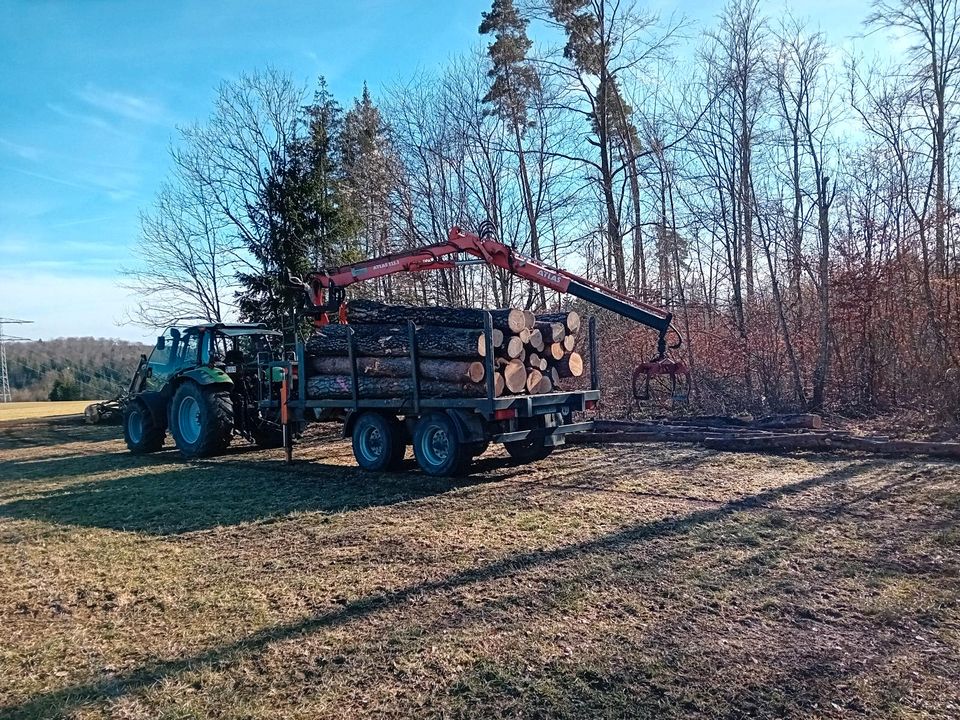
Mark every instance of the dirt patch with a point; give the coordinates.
(627, 581)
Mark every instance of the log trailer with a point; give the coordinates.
(447, 433)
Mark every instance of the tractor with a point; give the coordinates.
(205, 384)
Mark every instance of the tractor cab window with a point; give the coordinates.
(187, 351)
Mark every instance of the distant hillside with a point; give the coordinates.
(82, 368)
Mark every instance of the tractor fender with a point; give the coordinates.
(207, 375)
(156, 404)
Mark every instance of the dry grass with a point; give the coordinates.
(35, 410)
(621, 582)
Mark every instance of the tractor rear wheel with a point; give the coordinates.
(201, 420)
(140, 432)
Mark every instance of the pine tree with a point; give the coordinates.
(370, 169)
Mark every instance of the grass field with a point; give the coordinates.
(630, 581)
(35, 410)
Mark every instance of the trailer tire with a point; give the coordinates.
(438, 448)
(201, 420)
(378, 442)
(140, 432)
(525, 451)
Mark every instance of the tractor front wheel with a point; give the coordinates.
(201, 420)
(140, 432)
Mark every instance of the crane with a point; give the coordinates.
(660, 376)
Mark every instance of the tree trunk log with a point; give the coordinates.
(551, 332)
(569, 343)
(513, 347)
(515, 376)
(370, 312)
(391, 341)
(555, 351)
(461, 371)
(570, 319)
(570, 365)
(338, 387)
(533, 381)
(536, 340)
(546, 385)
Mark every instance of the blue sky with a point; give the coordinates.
(92, 92)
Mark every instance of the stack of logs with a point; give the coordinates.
(532, 354)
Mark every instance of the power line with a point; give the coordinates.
(5, 395)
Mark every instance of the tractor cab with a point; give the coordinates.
(204, 384)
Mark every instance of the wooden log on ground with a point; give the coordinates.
(555, 351)
(461, 371)
(515, 376)
(392, 341)
(551, 332)
(569, 318)
(533, 380)
(570, 365)
(371, 312)
(810, 421)
(338, 387)
(569, 343)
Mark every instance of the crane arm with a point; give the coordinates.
(331, 281)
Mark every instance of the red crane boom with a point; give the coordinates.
(331, 281)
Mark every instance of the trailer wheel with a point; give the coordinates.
(378, 442)
(528, 450)
(438, 448)
(201, 420)
(139, 430)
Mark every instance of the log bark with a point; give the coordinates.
(570, 319)
(391, 341)
(338, 387)
(370, 312)
(551, 332)
(570, 365)
(515, 376)
(461, 371)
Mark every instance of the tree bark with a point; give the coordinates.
(461, 371)
(392, 341)
(338, 387)
(370, 312)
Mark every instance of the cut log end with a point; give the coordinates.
(515, 376)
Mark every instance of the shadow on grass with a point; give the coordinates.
(63, 700)
(197, 496)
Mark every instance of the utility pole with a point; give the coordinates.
(5, 395)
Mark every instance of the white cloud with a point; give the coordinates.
(62, 304)
(124, 105)
(24, 152)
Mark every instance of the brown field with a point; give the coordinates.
(629, 581)
(35, 410)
